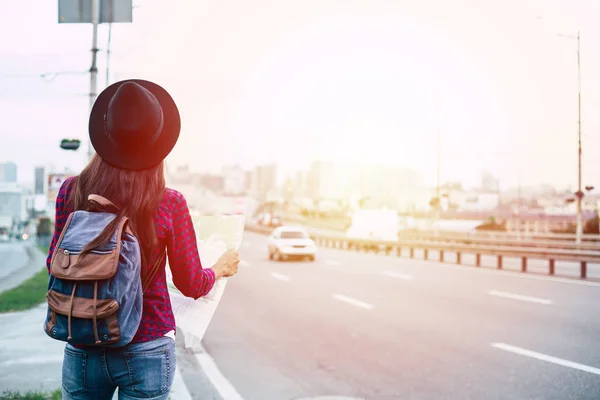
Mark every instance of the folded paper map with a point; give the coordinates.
(215, 235)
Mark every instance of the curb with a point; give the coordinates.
(193, 382)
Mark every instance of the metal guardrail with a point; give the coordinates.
(524, 252)
(499, 241)
(567, 237)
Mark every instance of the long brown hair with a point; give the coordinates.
(137, 194)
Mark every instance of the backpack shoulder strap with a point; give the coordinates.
(148, 278)
(102, 202)
(60, 238)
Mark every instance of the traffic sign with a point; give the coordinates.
(70, 144)
(80, 11)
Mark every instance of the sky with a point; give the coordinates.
(353, 81)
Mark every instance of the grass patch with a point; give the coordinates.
(28, 294)
(56, 395)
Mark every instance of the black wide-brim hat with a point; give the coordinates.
(134, 124)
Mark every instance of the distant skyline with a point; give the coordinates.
(283, 176)
(289, 82)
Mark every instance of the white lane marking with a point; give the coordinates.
(393, 274)
(245, 264)
(221, 384)
(519, 297)
(332, 262)
(544, 357)
(281, 277)
(354, 302)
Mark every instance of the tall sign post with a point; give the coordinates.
(94, 12)
(579, 191)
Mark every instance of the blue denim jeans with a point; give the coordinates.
(140, 371)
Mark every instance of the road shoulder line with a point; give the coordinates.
(546, 358)
(216, 377)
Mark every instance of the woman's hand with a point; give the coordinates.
(227, 264)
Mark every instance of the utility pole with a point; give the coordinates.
(108, 54)
(519, 207)
(94, 12)
(438, 193)
(439, 169)
(95, 18)
(579, 194)
(111, 17)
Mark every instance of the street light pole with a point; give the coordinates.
(579, 196)
(438, 194)
(439, 168)
(95, 18)
(108, 43)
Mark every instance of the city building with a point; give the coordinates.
(391, 187)
(8, 172)
(300, 185)
(264, 182)
(248, 180)
(475, 202)
(370, 186)
(12, 202)
(234, 180)
(40, 181)
(489, 183)
(327, 180)
(214, 183)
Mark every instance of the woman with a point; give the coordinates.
(133, 126)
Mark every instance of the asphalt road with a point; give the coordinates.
(382, 327)
(18, 261)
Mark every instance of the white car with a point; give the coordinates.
(286, 242)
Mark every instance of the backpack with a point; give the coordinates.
(96, 299)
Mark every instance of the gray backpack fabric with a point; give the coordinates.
(95, 299)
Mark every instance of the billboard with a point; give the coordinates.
(55, 181)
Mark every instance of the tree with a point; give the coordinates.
(44, 226)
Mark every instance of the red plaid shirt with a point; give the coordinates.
(175, 231)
